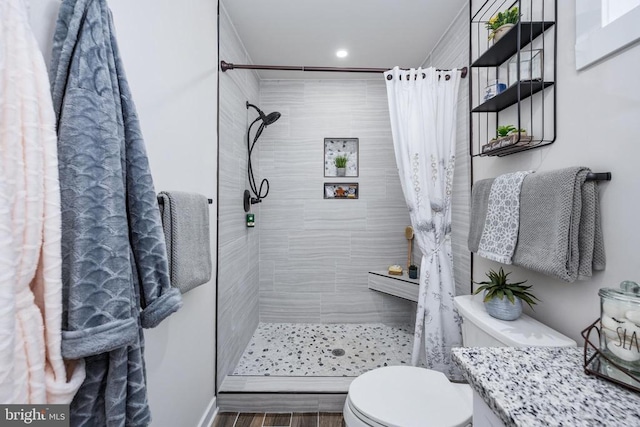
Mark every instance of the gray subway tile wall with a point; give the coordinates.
(322, 250)
(238, 246)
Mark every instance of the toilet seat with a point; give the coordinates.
(406, 396)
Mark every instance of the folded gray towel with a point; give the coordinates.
(185, 219)
(560, 233)
(479, 201)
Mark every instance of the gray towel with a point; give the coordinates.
(479, 202)
(185, 219)
(560, 233)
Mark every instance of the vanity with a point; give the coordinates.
(542, 386)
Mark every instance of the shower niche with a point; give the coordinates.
(512, 87)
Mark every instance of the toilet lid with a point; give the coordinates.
(405, 396)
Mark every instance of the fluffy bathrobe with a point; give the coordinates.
(115, 271)
(31, 367)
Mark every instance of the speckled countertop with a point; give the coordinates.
(545, 386)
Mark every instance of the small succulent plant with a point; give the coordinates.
(505, 130)
(497, 287)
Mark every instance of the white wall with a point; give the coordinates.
(598, 127)
(169, 50)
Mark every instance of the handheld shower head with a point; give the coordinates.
(271, 118)
(257, 191)
(266, 119)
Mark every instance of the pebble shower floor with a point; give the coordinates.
(303, 349)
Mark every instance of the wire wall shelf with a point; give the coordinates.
(507, 87)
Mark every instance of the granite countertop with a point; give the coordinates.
(545, 386)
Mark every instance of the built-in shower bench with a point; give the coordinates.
(396, 285)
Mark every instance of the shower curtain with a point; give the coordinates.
(422, 108)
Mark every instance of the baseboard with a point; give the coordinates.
(209, 414)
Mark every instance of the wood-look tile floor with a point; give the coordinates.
(287, 419)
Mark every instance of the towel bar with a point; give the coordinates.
(599, 176)
(208, 200)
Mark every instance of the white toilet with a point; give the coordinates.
(407, 396)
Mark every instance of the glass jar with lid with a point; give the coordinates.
(620, 324)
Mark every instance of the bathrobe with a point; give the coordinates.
(32, 370)
(115, 268)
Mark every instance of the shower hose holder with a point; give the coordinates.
(248, 200)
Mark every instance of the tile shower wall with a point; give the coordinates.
(237, 244)
(315, 253)
(452, 51)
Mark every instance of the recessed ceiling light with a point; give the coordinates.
(342, 53)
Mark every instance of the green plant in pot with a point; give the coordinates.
(502, 22)
(504, 131)
(341, 164)
(503, 300)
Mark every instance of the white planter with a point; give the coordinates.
(341, 171)
(501, 31)
(504, 309)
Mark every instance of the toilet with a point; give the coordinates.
(408, 396)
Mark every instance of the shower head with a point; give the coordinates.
(271, 118)
(266, 119)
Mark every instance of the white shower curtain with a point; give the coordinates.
(422, 107)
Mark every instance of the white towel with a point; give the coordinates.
(500, 234)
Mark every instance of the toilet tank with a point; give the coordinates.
(481, 330)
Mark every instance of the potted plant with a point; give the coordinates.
(501, 23)
(341, 164)
(503, 134)
(503, 300)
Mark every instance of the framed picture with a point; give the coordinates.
(340, 190)
(340, 157)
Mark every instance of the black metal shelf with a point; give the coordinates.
(518, 104)
(505, 151)
(507, 46)
(510, 96)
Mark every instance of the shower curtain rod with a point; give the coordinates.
(224, 66)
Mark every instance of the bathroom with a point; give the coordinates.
(194, 120)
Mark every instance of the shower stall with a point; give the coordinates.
(294, 305)
(296, 320)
